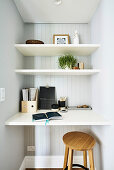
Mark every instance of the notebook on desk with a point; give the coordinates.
(46, 116)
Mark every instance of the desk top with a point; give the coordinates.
(72, 117)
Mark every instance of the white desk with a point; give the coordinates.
(72, 117)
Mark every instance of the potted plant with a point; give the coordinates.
(67, 61)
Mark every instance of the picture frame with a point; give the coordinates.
(61, 39)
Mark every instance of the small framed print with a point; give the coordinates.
(61, 39)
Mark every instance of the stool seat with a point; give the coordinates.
(79, 141)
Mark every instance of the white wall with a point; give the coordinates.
(102, 30)
(77, 88)
(11, 138)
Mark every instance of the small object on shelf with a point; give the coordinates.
(76, 38)
(80, 107)
(55, 107)
(81, 65)
(62, 103)
(61, 39)
(34, 42)
(67, 61)
(75, 68)
(83, 106)
(64, 110)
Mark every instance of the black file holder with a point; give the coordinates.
(46, 97)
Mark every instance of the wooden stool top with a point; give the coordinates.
(79, 141)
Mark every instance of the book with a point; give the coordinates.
(46, 116)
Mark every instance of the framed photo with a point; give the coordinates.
(61, 39)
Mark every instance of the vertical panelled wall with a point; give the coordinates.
(76, 88)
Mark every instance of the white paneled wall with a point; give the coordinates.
(57, 146)
(45, 32)
(76, 88)
(48, 140)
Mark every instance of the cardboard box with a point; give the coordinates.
(30, 106)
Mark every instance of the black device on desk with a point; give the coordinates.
(62, 104)
(46, 97)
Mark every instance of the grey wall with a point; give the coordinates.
(102, 30)
(11, 138)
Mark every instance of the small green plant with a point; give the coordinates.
(67, 61)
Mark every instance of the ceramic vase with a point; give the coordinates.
(76, 38)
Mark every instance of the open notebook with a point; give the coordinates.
(46, 116)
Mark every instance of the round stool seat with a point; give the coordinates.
(79, 141)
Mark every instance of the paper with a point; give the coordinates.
(32, 94)
(25, 94)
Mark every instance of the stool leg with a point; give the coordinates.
(91, 160)
(70, 159)
(65, 158)
(85, 158)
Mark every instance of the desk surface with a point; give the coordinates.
(72, 117)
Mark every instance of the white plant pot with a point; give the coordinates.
(67, 68)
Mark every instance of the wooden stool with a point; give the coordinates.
(81, 142)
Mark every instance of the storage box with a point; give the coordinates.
(30, 106)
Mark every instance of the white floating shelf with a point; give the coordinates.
(56, 50)
(72, 117)
(58, 72)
